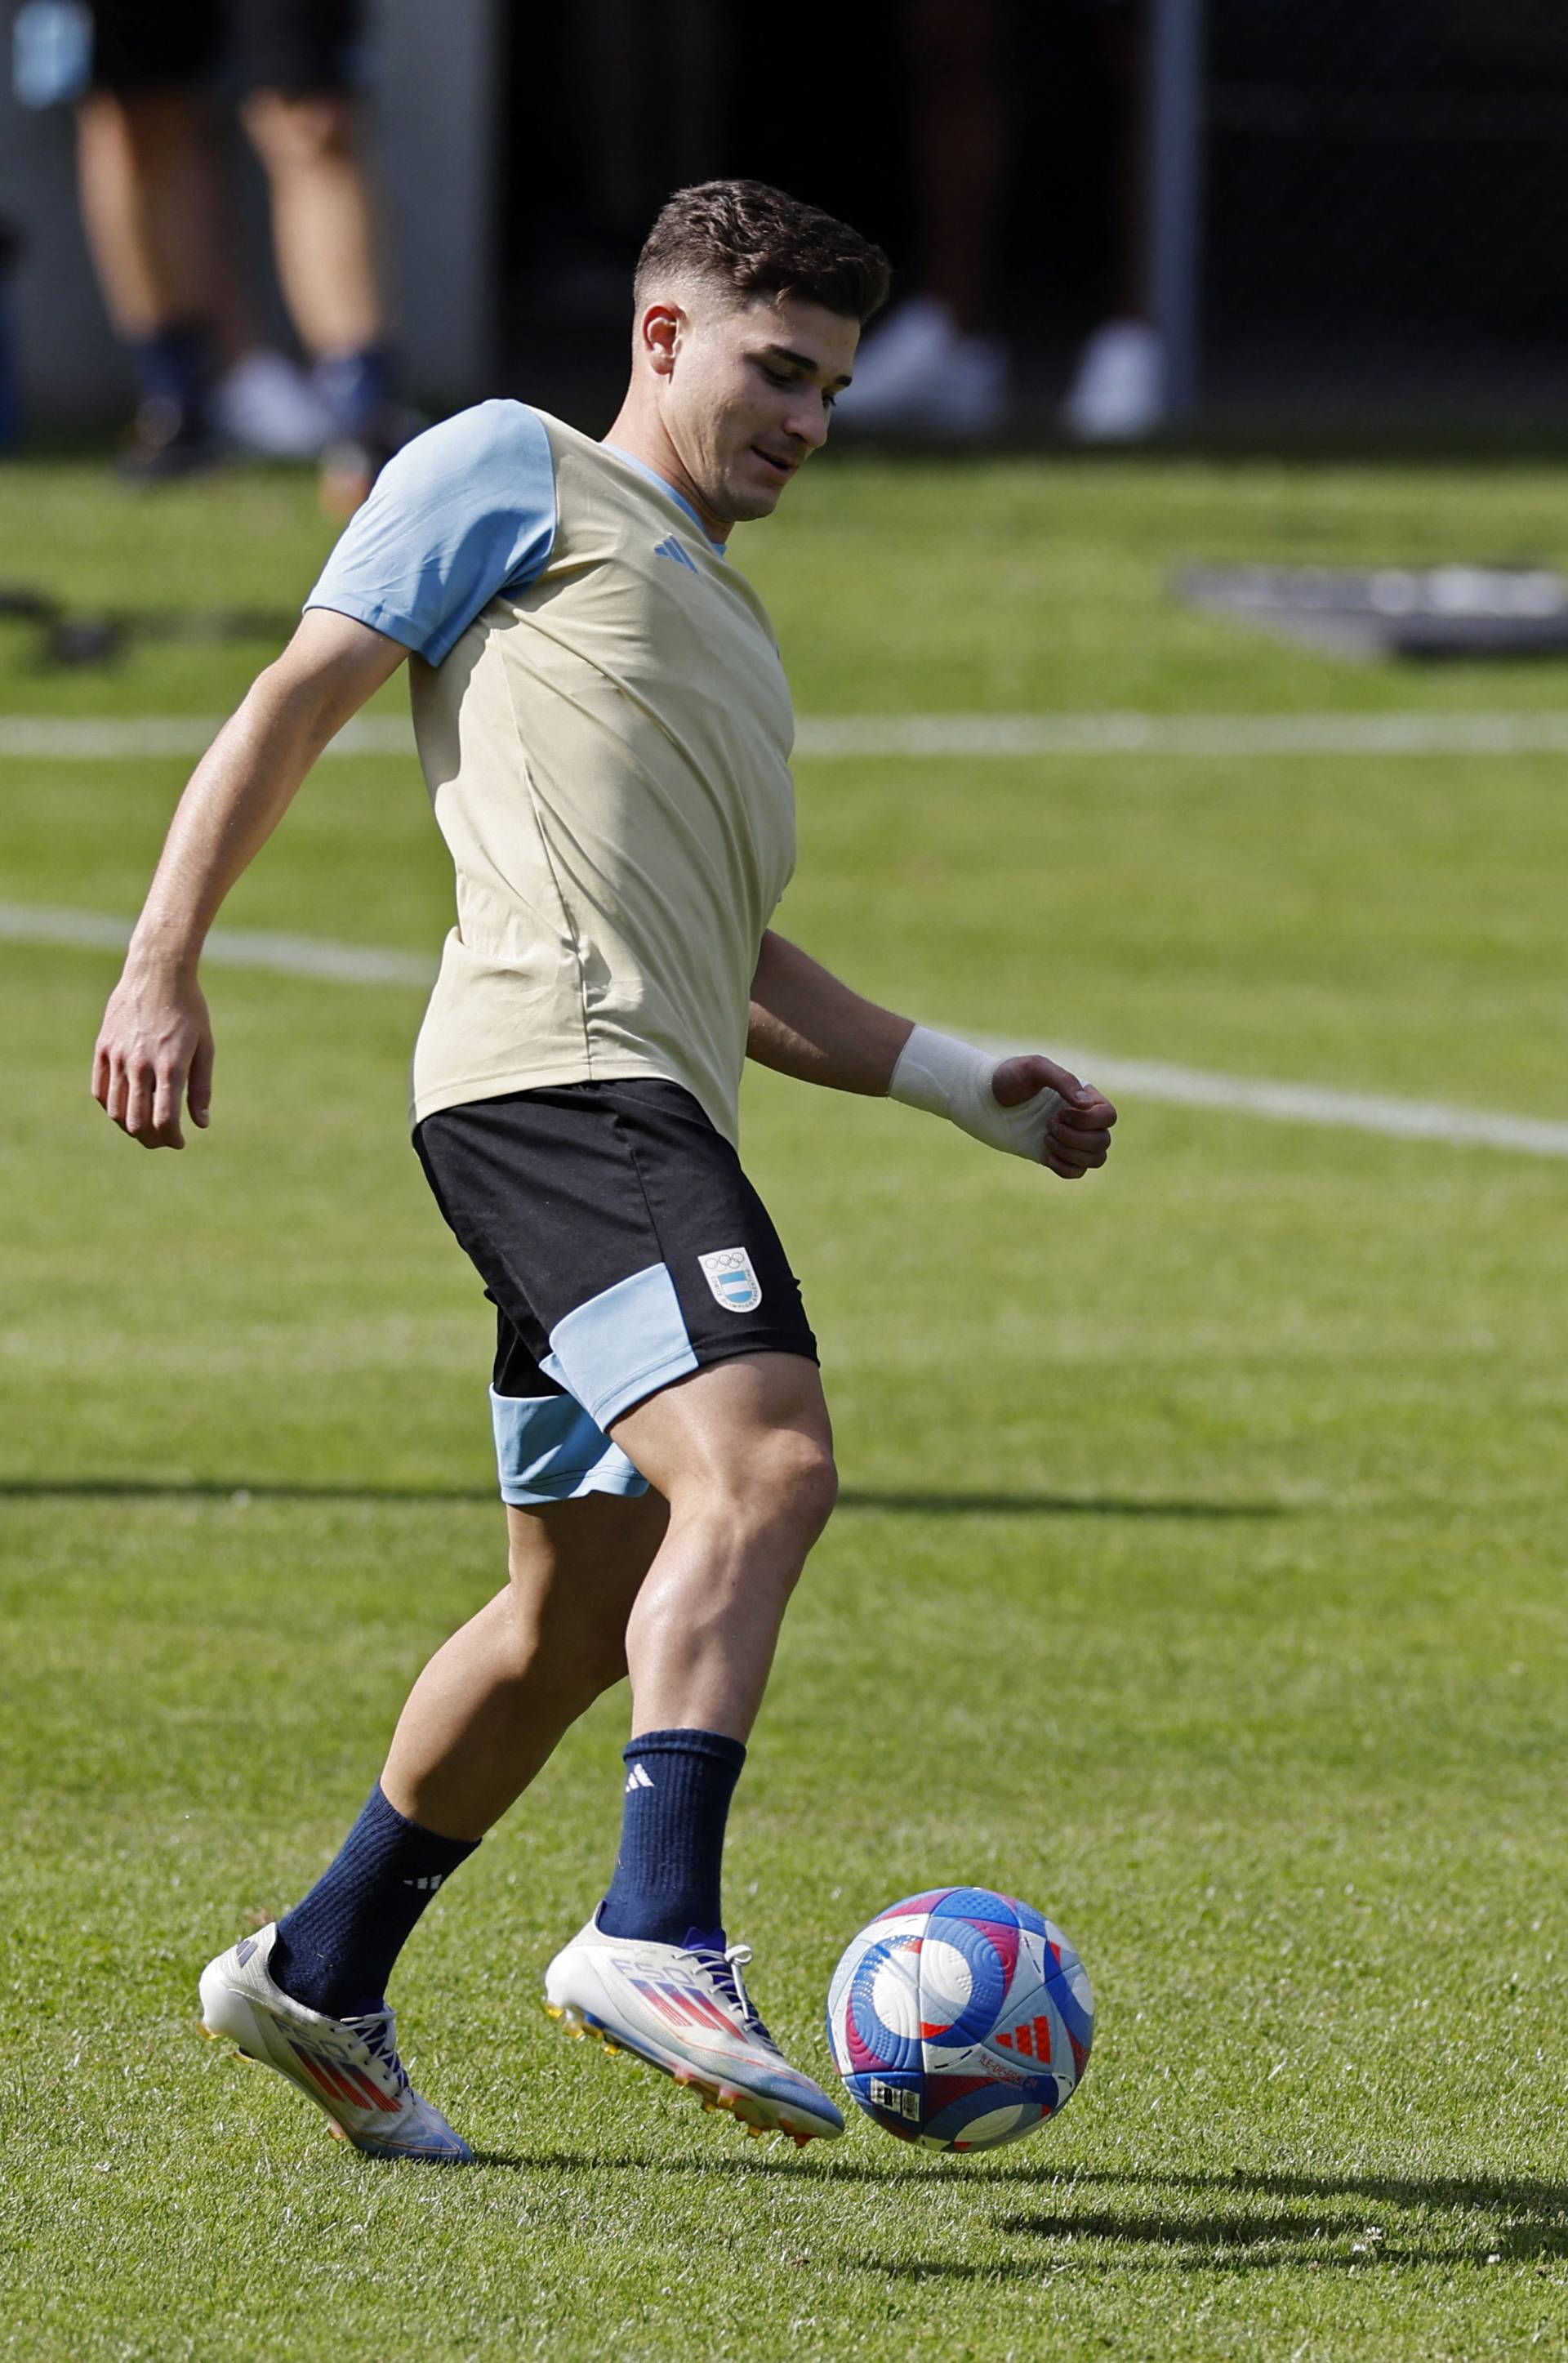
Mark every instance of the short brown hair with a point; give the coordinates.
(756, 240)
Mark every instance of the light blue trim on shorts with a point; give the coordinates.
(624, 1344)
(548, 1450)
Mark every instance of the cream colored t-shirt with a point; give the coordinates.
(605, 730)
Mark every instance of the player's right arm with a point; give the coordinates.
(466, 509)
(154, 1051)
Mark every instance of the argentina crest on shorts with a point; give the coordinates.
(728, 1273)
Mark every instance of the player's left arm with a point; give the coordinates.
(806, 1023)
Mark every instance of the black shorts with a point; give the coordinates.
(298, 46)
(622, 1247)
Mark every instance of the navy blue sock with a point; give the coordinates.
(668, 1875)
(175, 365)
(355, 387)
(335, 1951)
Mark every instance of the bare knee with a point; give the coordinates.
(783, 1487)
(591, 1664)
(800, 1483)
(292, 132)
(578, 1657)
(574, 1569)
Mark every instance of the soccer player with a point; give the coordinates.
(604, 724)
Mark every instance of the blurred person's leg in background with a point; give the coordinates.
(934, 367)
(149, 176)
(299, 64)
(937, 365)
(158, 212)
(1118, 388)
(156, 206)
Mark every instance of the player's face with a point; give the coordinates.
(751, 395)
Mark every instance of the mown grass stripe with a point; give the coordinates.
(826, 739)
(1201, 736)
(1282, 1102)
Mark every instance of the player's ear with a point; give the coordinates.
(658, 332)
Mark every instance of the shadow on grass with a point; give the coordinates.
(1323, 2220)
(1051, 1505)
(854, 1497)
(1518, 2194)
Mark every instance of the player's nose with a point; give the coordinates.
(808, 423)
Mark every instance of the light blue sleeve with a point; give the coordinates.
(465, 510)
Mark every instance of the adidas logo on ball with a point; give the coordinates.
(960, 2019)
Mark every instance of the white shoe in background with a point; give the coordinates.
(264, 405)
(920, 374)
(1118, 394)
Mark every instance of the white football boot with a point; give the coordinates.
(349, 2067)
(687, 2012)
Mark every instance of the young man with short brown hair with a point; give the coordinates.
(606, 727)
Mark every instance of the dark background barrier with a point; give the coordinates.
(1384, 215)
(1379, 231)
(1387, 218)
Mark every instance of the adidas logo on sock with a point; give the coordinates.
(427, 1886)
(637, 1779)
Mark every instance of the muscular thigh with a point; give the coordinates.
(576, 1569)
(744, 1423)
(593, 1553)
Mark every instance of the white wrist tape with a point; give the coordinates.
(953, 1079)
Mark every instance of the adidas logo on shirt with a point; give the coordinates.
(637, 1779)
(671, 547)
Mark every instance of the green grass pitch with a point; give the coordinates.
(1202, 1573)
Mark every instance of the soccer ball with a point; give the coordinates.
(960, 2019)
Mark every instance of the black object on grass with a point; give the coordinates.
(66, 640)
(1391, 611)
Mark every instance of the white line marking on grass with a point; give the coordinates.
(49, 739)
(1138, 1078)
(225, 947)
(1207, 736)
(1309, 1104)
(1204, 735)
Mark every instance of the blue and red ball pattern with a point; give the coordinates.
(961, 2019)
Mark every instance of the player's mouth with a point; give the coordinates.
(782, 469)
